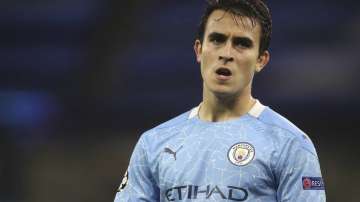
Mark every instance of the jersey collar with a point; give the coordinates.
(255, 110)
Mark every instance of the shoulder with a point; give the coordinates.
(286, 128)
(166, 130)
(176, 121)
(173, 123)
(167, 134)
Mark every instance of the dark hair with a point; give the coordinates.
(256, 10)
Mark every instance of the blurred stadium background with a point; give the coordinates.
(80, 81)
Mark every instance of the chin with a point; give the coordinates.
(223, 90)
(224, 93)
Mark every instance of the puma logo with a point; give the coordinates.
(168, 150)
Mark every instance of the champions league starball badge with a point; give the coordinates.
(241, 154)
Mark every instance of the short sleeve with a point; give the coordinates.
(138, 183)
(299, 175)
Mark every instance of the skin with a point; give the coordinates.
(233, 45)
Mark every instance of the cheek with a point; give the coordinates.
(246, 68)
(206, 56)
(247, 63)
(207, 61)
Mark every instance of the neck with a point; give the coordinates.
(216, 108)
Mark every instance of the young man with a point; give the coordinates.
(230, 147)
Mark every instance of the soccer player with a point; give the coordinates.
(230, 147)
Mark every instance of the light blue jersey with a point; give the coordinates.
(259, 157)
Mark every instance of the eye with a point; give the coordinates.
(217, 39)
(243, 43)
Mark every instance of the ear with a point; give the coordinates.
(262, 61)
(198, 49)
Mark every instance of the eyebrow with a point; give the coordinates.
(235, 39)
(217, 35)
(245, 40)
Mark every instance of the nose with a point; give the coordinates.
(225, 55)
(226, 59)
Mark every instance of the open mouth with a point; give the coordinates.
(223, 72)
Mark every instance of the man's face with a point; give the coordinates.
(229, 54)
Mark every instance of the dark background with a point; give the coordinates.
(80, 81)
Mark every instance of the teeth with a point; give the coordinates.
(223, 71)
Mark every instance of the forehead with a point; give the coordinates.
(224, 22)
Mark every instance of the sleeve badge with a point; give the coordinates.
(313, 183)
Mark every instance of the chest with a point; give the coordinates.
(222, 162)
